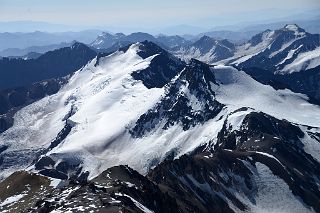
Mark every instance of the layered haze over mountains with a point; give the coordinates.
(209, 107)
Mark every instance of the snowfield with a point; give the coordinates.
(270, 185)
(237, 89)
(304, 61)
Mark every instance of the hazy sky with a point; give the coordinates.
(148, 13)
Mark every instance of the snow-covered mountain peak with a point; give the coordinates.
(148, 48)
(163, 67)
(106, 40)
(207, 49)
(198, 74)
(98, 94)
(294, 28)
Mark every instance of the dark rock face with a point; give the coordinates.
(307, 82)
(176, 106)
(196, 184)
(208, 181)
(61, 135)
(138, 187)
(22, 183)
(162, 68)
(160, 72)
(53, 64)
(260, 123)
(148, 48)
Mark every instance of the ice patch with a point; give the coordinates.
(12, 199)
(274, 194)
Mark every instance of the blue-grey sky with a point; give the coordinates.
(151, 14)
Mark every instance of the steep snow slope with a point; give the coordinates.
(237, 89)
(101, 101)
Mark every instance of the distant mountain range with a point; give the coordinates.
(107, 40)
(11, 41)
(17, 52)
(26, 40)
(274, 45)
